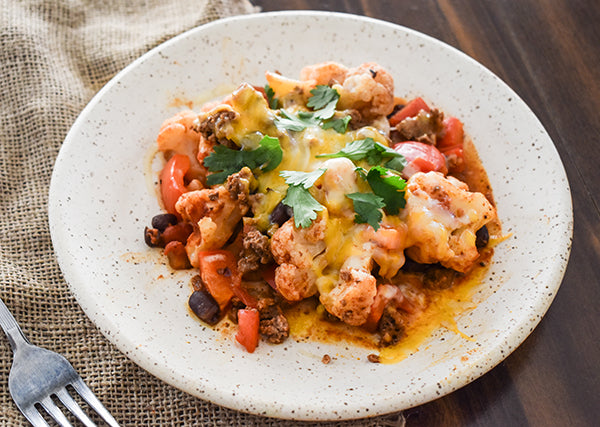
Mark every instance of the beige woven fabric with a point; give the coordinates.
(54, 56)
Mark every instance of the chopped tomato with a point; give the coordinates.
(420, 157)
(221, 277)
(171, 181)
(268, 275)
(451, 143)
(409, 110)
(385, 293)
(262, 92)
(248, 327)
(452, 135)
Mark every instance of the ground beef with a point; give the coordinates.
(438, 277)
(238, 186)
(424, 127)
(212, 127)
(391, 326)
(255, 249)
(274, 326)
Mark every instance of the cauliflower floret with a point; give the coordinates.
(178, 135)
(353, 295)
(325, 73)
(294, 249)
(369, 89)
(338, 180)
(442, 218)
(214, 213)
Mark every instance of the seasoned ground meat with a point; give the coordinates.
(255, 249)
(212, 127)
(238, 186)
(274, 326)
(438, 277)
(391, 326)
(424, 127)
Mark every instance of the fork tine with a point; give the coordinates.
(34, 417)
(87, 395)
(64, 396)
(55, 412)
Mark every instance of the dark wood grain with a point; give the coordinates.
(548, 51)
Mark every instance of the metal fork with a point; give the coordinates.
(38, 374)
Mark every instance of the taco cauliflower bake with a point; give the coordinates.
(327, 188)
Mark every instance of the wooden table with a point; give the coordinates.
(548, 51)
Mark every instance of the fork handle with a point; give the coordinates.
(11, 328)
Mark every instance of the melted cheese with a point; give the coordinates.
(344, 239)
(300, 149)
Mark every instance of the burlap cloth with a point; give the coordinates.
(54, 56)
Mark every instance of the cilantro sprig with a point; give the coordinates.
(367, 208)
(304, 205)
(295, 123)
(225, 161)
(273, 102)
(371, 151)
(389, 186)
(323, 102)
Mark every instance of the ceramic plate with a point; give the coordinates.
(100, 201)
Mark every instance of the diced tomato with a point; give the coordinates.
(218, 270)
(409, 110)
(171, 181)
(420, 157)
(268, 274)
(262, 91)
(221, 277)
(451, 143)
(248, 327)
(385, 293)
(453, 134)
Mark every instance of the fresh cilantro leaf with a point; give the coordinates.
(339, 125)
(287, 121)
(388, 186)
(303, 204)
(326, 112)
(273, 102)
(323, 95)
(367, 207)
(323, 102)
(355, 150)
(396, 163)
(219, 177)
(380, 152)
(373, 152)
(268, 155)
(224, 161)
(303, 179)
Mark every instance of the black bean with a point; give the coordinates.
(280, 214)
(204, 306)
(482, 237)
(162, 221)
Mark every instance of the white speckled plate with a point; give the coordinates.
(100, 202)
